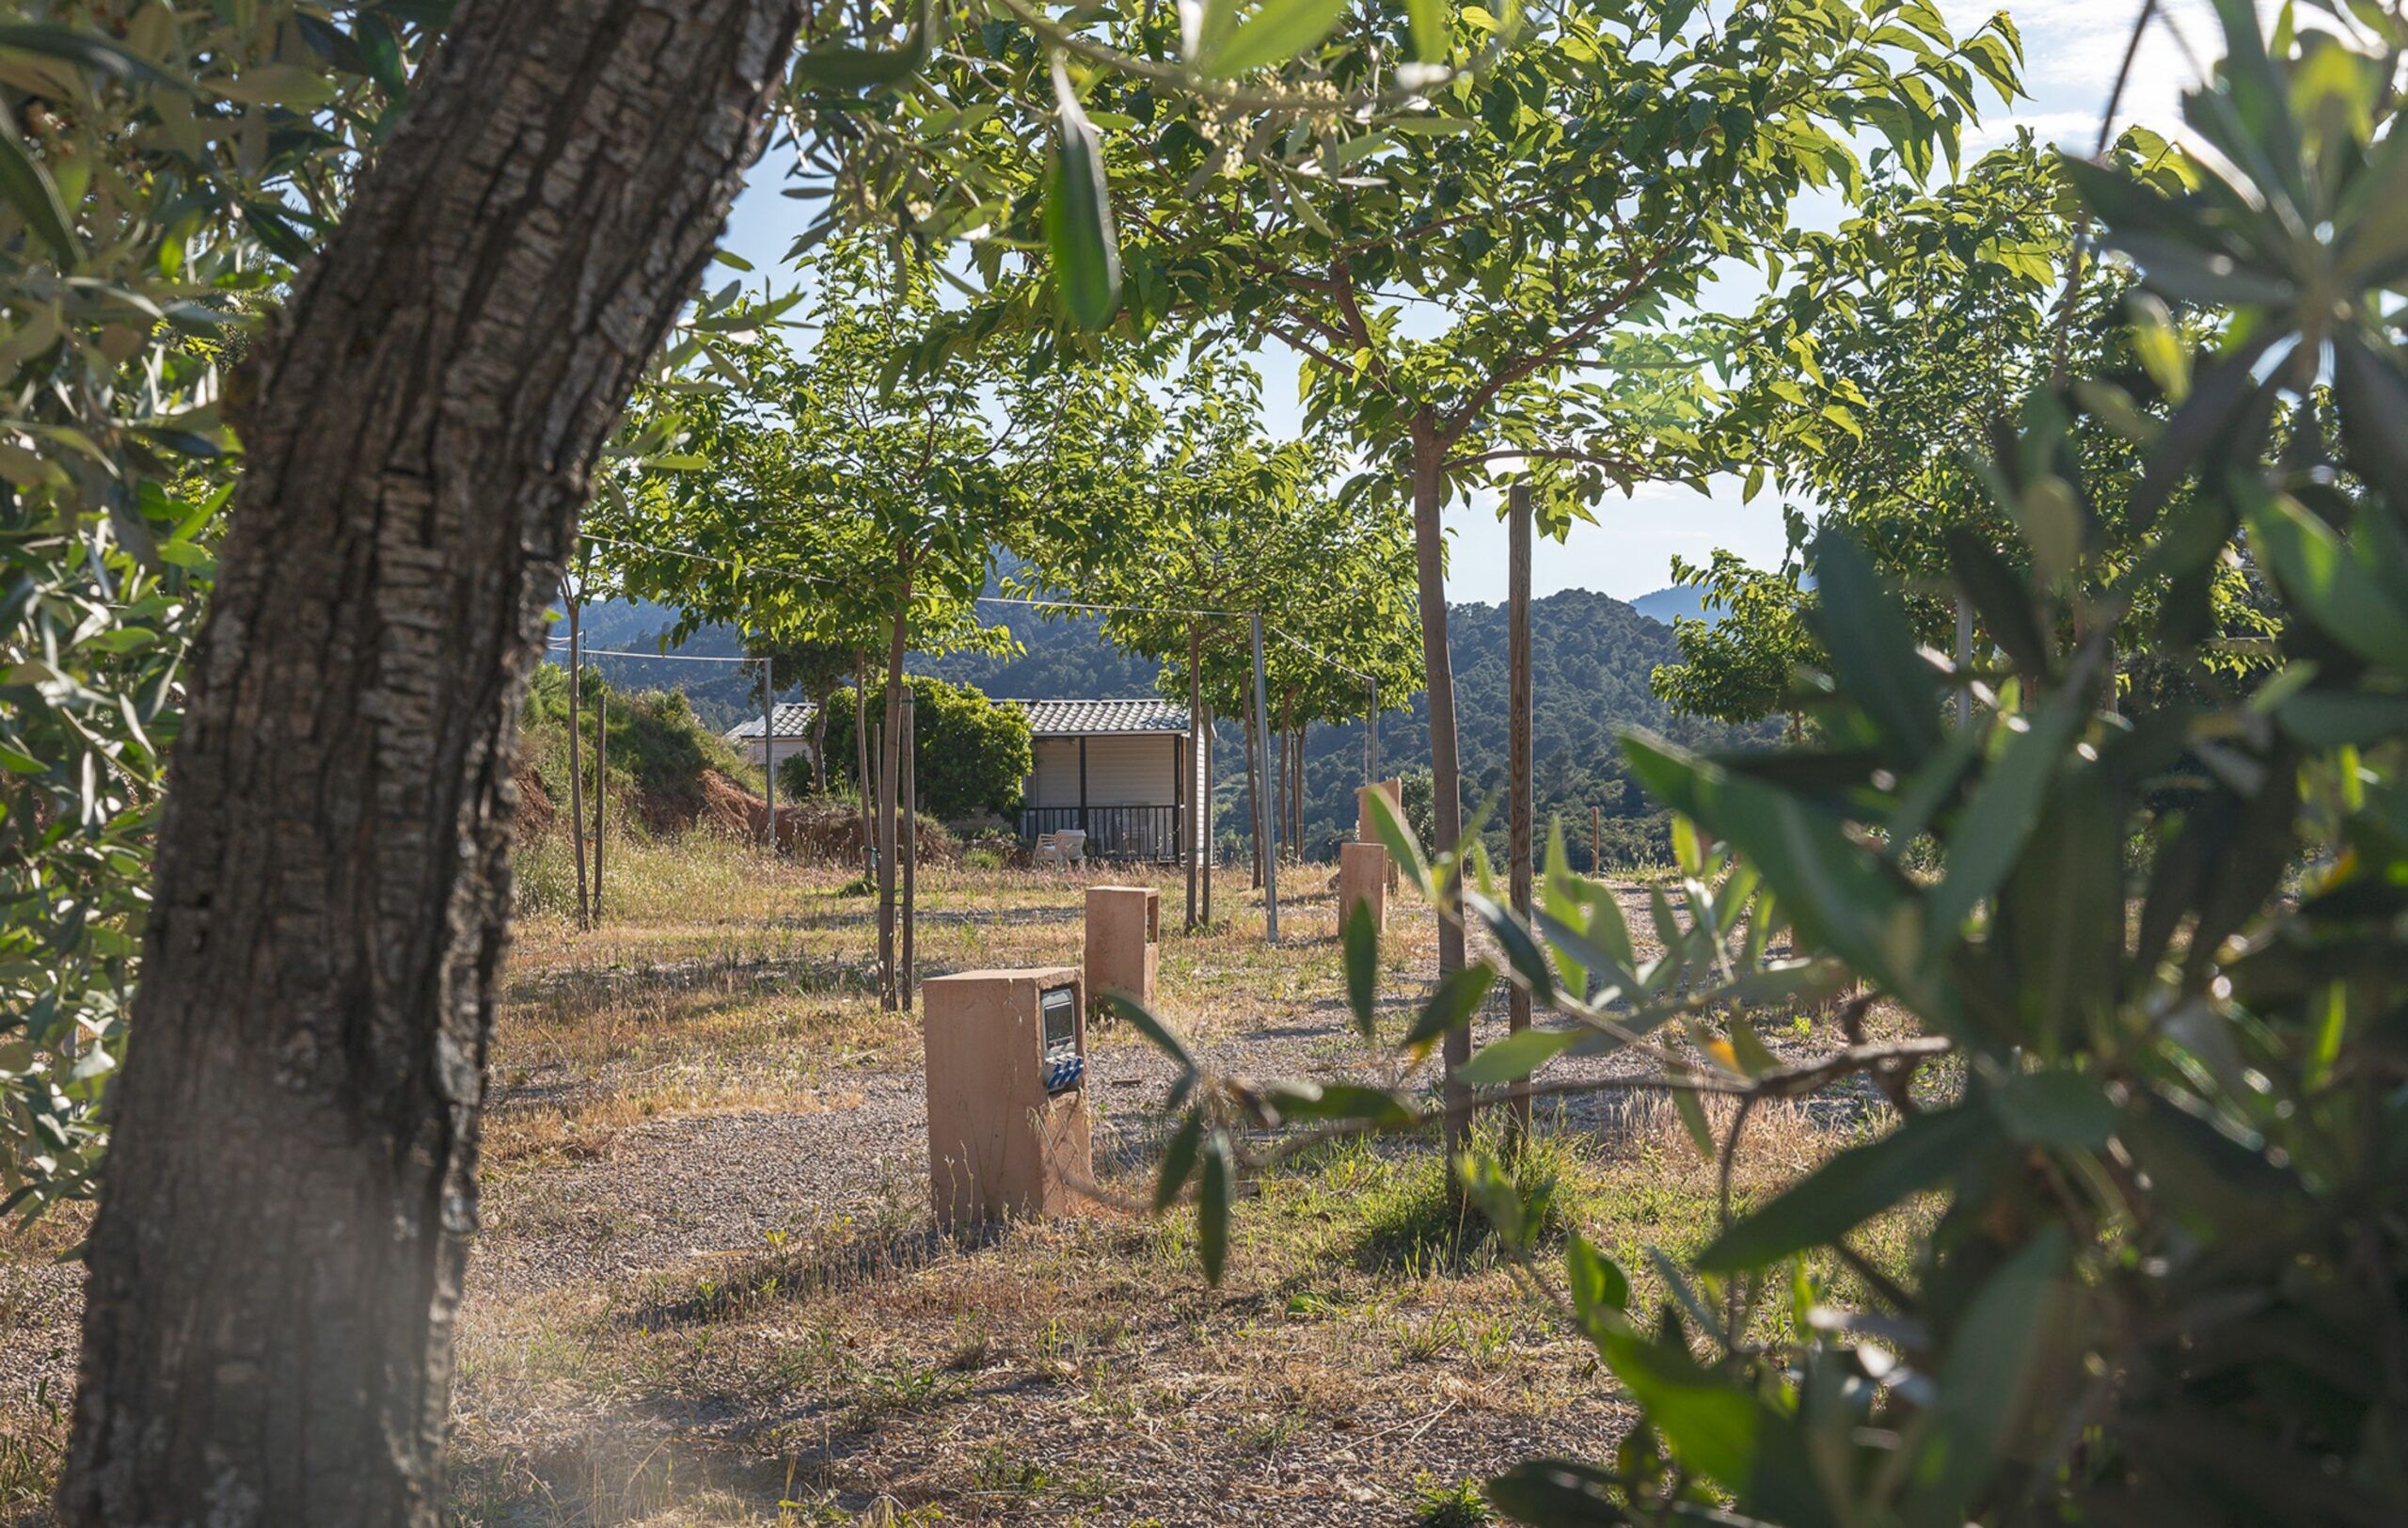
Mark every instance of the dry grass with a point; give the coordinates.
(1371, 1351)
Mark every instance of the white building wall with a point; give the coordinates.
(786, 748)
(1121, 771)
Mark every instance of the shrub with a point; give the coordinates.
(974, 754)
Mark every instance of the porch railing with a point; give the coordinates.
(1114, 833)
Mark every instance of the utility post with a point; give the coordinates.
(1263, 818)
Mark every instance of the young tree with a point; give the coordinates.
(1220, 523)
(1548, 227)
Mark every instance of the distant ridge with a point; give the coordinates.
(1680, 600)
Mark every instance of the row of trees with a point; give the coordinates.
(2144, 1120)
(487, 273)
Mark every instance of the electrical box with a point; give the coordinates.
(1363, 877)
(1007, 1116)
(1124, 941)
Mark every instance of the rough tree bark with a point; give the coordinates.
(277, 1264)
(1446, 784)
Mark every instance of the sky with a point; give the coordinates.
(2071, 50)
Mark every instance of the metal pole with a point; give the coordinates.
(1518, 826)
(770, 754)
(1262, 795)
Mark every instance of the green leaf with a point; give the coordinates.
(1990, 836)
(1456, 1000)
(1521, 950)
(26, 182)
(2004, 1338)
(1212, 1207)
(845, 67)
(1141, 1018)
(1692, 1113)
(1852, 1187)
(1179, 1161)
(1836, 894)
(1276, 32)
(1721, 1429)
(2057, 1110)
(1389, 824)
(1078, 220)
(1873, 649)
(2330, 580)
(1598, 1283)
(92, 51)
(1362, 941)
(1342, 1101)
(1518, 1056)
(1433, 37)
(1558, 1493)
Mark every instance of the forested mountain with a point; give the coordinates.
(1592, 655)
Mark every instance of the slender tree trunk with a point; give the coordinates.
(1446, 784)
(1196, 844)
(1211, 851)
(1520, 819)
(911, 778)
(819, 743)
(601, 787)
(275, 1269)
(889, 772)
(861, 758)
(577, 775)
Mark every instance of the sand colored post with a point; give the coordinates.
(1363, 877)
(1007, 1113)
(1124, 941)
(1364, 832)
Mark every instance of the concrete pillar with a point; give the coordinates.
(1124, 941)
(1007, 1116)
(1363, 877)
(1393, 790)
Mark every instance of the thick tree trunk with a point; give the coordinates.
(1446, 786)
(292, 1185)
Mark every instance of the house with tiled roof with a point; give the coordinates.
(1120, 770)
(790, 734)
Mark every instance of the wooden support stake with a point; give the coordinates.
(1199, 783)
(1518, 770)
(1596, 842)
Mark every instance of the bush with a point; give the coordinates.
(974, 756)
